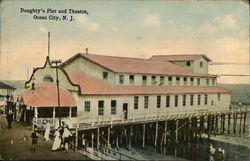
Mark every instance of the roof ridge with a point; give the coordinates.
(83, 54)
(181, 55)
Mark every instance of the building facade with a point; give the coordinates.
(115, 89)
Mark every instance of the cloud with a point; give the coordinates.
(42, 29)
(226, 21)
(207, 28)
(219, 23)
(89, 25)
(152, 20)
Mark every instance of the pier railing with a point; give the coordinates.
(93, 121)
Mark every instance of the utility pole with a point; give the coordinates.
(58, 92)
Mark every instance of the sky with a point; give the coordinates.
(218, 29)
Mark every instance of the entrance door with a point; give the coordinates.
(125, 110)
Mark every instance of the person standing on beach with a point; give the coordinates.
(34, 140)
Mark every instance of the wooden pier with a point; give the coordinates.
(163, 129)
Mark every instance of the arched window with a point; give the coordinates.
(201, 64)
(47, 79)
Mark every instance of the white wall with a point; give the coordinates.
(83, 65)
(224, 103)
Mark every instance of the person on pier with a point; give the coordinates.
(66, 138)
(47, 131)
(57, 141)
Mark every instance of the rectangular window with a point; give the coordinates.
(87, 106)
(185, 80)
(136, 101)
(191, 100)
(184, 100)
(218, 96)
(105, 75)
(213, 81)
(100, 107)
(207, 81)
(205, 101)
(177, 80)
(167, 101)
(161, 80)
(131, 79)
(199, 100)
(145, 101)
(188, 63)
(212, 102)
(158, 101)
(198, 81)
(144, 80)
(153, 82)
(176, 100)
(191, 81)
(121, 79)
(170, 80)
(113, 107)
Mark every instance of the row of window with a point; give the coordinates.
(162, 80)
(176, 100)
(87, 104)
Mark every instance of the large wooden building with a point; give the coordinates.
(115, 89)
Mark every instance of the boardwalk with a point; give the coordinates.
(21, 149)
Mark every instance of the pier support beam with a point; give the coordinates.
(143, 136)
(228, 123)
(240, 122)
(165, 132)
(109, 136)
(156, 133)
(176, 131)
(244, 122)
(98, 137)
(208, 126)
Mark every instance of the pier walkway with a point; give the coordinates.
(15, 147)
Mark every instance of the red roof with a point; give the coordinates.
(45, 95)
(92, 86)
(187, 57)
(136, 65)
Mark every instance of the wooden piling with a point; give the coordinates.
(223, 123)
(240, 123)
(130, 136)
(208, 127)
(244, 122)
(165, 132)
(108, 136)
(176, 131)
(98, 137)
(156, 132)
(228, 123)
(143, 136)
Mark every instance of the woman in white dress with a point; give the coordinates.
(57, 141)
(47, 131)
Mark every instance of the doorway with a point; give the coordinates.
(125, 110)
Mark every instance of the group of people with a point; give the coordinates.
(62, 138)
